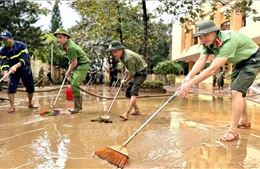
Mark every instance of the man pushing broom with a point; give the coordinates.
(79, 65)
(136, 68)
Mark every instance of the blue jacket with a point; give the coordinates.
(19, 53)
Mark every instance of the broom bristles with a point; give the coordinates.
(112, 156)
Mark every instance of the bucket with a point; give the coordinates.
(69, 95)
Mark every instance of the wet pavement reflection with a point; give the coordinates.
(184, 134)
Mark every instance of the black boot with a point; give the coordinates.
(80, 102)
(76, 108)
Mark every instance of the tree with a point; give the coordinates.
(19, 17)
(103, 21)
(167, 67)
(145, 41)
(159, 42)
(188, 11)
(56, 17)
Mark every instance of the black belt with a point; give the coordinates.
(244, 62)
(81, 64)
(141, 73)
(252, 56)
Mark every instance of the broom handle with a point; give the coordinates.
(116, 81)
(148, 120)
(39, 80)
(108, 111)
(89, 81)
(59, 91)
(4, 76)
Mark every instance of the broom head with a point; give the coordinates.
(116, 155)
(105, 117)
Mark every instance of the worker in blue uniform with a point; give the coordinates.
(15, 60)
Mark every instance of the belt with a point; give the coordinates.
(244, 62)
(82, 63)
(79, 64)
(141, 73)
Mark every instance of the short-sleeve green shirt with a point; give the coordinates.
(236, 47)
(133, 62)
(74, 52)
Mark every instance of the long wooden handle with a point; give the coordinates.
(59, 92)
(4, 76)
(148, 120)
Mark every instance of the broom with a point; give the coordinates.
(53, 112)
(118, 154)
(105, 118)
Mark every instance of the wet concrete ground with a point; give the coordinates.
(185, 133)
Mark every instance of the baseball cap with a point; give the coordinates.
(6, 35)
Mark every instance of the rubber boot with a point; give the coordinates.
(80, 102)
(76, 108)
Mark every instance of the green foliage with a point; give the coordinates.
(185, 67)
(152, 85)
(103, 21)
(167, 67)
(44, 53)
(171, 78)
(159, 42)
(18, 17)
(188, 11)
(56, 17)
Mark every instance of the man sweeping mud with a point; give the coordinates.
(135, 67)
(79, 65)
(231, 47)
(16, 62)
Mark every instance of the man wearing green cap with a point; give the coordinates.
(228, 47)
(135, 69)
(79, 65)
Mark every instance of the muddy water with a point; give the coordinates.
(184, 134)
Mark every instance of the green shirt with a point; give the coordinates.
(74, 52)
(133, 62)
(236, 47)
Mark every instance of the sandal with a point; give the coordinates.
(31, 106)
(244, 125)
(229, 136)
(11, 110)
(123, 118)
(135, 113)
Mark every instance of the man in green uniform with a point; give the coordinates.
(136, 70)
(231, 47)
(79, 65)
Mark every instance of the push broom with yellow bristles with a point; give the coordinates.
(118, 154)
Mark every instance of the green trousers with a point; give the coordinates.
(79, 74)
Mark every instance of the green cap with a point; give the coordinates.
(204, 27)
(115, 45)
(61, 31)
